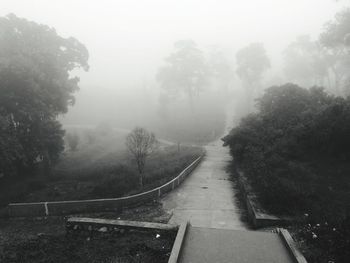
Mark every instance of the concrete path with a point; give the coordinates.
(206, 198)
(217, 245)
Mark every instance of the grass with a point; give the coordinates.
(45, 240)
(99, 168)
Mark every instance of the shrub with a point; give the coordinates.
(295, 152)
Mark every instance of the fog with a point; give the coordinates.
(128, 41)
(209, 118)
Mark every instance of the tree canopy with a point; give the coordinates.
(282, 146)
(306, 62)
(35, 87)
(336, 40)
(252, 61)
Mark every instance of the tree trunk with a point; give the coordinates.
(46, 163)
(141, 180)
(140, 166)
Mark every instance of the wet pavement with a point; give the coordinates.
(207, 197)
(207, 200)
(226, 246)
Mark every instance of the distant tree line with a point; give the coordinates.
(189, 71)
(186, 78)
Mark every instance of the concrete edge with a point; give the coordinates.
(178, 244)
(257, 219)
(43, 208)
(127, 224)
(290, 244)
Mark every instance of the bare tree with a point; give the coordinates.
(141, 143)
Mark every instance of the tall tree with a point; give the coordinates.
(336, 40)
(10, 148)
(185, 71)
(252, 62)
(221, 71)
(306, 62)
(36, 86)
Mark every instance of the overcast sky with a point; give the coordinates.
(128, 39)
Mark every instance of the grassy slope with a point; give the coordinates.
(99, 169)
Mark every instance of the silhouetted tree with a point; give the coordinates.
(221, 71)
(141, 143)
(336, 40)
(36, 86)
(10, 148)
(185, 71)
(252, 62)
(306, 62)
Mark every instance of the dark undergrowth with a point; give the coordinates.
(46, 239)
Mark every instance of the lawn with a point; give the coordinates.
(100, 167)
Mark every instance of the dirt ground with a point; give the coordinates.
(45, 240)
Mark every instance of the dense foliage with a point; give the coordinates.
(282, 147)
(295, 152)
(35, 87)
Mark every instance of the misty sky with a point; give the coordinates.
(127, 40)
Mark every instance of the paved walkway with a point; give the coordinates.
(216, 233)
(206, 197)
(205, 245)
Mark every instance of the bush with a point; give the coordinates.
(295, 152)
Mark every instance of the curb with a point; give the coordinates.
(178, 244)
(258, 219)
(88, 222)
(290, 244)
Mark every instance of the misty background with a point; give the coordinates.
(129, 40)
(107, 99)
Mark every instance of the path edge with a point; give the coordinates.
(291, 246)
(178, 244)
